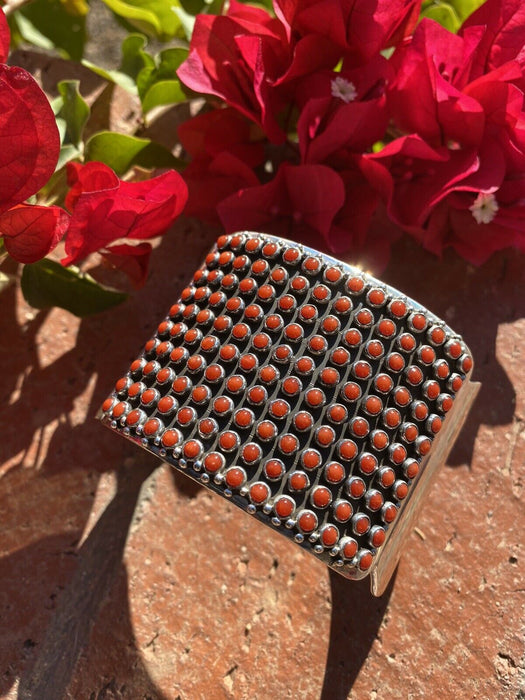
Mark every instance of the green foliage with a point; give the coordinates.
(73, 110)
(156, 18)
(450, 13)
(158, 83)
(72, 113)
(153, 78)
(46, 283)
(121, 152)
(134, 59)
(52, 24)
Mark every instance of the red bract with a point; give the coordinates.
(478, 225)
(503, 40)
(30, 232)
(29, 140)
(224, 153)
(300, 202)
(106, 209)
(29, 147)
(350, 227)
(210, 180)
(359, 28)
(412, 177)
(4, 38)
(342, 111)
(133, 260)
(246, 59)
(211, 133)
(427, 95)
(238, 57)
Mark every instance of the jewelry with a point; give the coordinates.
(310, 394)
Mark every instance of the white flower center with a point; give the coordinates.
(343, 89)
(485, 208)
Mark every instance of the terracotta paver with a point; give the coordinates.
(120, 579)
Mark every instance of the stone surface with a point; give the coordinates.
(121, 579)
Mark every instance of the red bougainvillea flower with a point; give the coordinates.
(29, 140)
(412, 177)
(4, 38)
(426, 98)
(504, 22)
(359, 28)
(299, 202)
(133, 260)
(345, 110)
(225, 147)
(106, 209)
(476, 225)
(30, 232)
(238, 57)
(245, 58)
(211, 133)
(29, 147)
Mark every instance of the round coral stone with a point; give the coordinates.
(266, 430)
(228, 440)
(274, 469)
(298, 481)
(342, 511)
(166, 404)
(251, 453)
(171, 437)
(192, 449)
(288, 444)
(359, 427)
(351, 391)
(243, 418)
(383, 383)
(321, 497)
(303, 421)
(347, 450)
(310, 459)
(236, 383)
(325, 436)
(284, 506)
(307, 521)
(259, 492)
(334, 473)
(350, 549)
(329, 535)
(353, 337)
(235, 477)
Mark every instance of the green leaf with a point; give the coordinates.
(208, 7)
(112, 76)
(158, 84)
(52, 24)
(444, 14)
(74, 110)
(165, 92)
(153, 17)
(121, 152)
(67, 153)
(134, 57)
(164, 67)
(464, 8)
(187, 22)
(46, 283)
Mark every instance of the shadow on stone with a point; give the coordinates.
(356, 618)
(99, 562)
